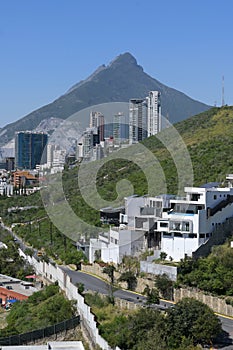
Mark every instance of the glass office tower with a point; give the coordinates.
(30, 149)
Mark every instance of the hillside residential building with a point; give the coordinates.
(115, 244)
(30, 149)
(177, 226)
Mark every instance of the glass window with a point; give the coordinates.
(178, 234)
(163, 224)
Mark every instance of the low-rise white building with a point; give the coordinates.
(177, 226)
(116, 243)
(6, 189)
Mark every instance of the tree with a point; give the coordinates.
(75, 258)
(29, 251)
(130, 278)
(97, 255)
(115, 331)
(132, 264)
(81, 287)
(165, 286)
(109, 270)
(152, 295)
(153, 340)
(139, 324)
(163, 256)
(193, 320)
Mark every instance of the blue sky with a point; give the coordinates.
(46, 46)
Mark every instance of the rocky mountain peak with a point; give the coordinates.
(124, 59)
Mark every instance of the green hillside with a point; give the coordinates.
(209, 141)
(40, 310)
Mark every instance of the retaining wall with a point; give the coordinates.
(97, 270)
(55, 273)
(217, 304)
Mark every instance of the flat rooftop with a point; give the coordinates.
(16, 285)
(62, 345)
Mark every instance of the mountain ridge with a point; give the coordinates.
(119, 81)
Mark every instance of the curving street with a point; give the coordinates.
(98, 285)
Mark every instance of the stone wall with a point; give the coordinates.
(97, 270)
(124, 304)
(217, 304)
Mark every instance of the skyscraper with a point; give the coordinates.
(119, 127)
(30, 149)
(88, 140)
(137, 120)
(97, 121)
(153, 113)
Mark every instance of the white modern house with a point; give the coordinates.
(117, 243)
(177, 226)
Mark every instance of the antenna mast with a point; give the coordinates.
(223, 102)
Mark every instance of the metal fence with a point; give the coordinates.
(29, 337)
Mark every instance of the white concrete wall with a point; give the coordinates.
(220, 193)
(110, 254)
(177, 247)
(95, 245)
(55, 273)
(158, 269)
(219, 217)
(132, 208)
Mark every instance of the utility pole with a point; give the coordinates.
(65, 244)
(51, 232)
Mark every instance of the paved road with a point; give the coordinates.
(19, 241)
(96, 284)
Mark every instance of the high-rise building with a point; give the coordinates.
(119, 127)
(88, 140)
(97, 121)
(30, 149)
(10, 163)
(50, 150)
(137, 120)
(153, 113)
